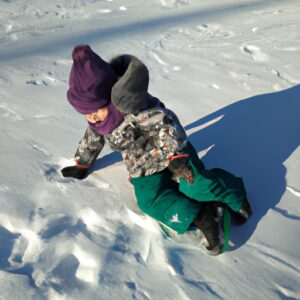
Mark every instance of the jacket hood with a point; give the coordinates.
(130, 93)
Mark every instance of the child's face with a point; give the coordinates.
(97, 116)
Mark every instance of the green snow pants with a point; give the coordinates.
(212, 185)
(158, 196)
(177, 205)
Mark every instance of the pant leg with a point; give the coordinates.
(213, 185)
(158, 196)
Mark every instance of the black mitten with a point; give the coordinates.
(179, 167)
(77, 172)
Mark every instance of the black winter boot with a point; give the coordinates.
(206, 222)
(245, 212)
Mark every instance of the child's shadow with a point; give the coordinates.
(106, 160)
(252, 139)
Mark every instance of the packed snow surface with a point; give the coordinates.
(230, 71)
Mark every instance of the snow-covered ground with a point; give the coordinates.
(229, 69)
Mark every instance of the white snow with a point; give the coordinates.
(229, 69)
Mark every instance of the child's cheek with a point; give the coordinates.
(89, 119)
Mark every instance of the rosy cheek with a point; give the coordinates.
(89, 119)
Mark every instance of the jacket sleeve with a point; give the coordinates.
(89, 147)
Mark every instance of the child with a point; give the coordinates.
(153, 144)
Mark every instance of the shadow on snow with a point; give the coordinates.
(252, 139)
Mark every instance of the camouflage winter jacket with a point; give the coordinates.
(146, 141)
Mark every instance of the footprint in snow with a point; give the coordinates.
(105, 11)
(215, 30)
(44, 79)
(50, 77)
(18, 250)
(17, 256)
(254, 52)
(37, 82)
(175, 3)
(7, 239)
(52, 173)
(56, 226)
(163, 63)
(192, 38)
(63, 276)
(283, 77)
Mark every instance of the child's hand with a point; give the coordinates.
(180, 169)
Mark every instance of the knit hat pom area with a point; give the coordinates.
(81, 53)
(130, 93)
(90, 82)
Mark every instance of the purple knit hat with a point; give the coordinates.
(91, 80)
